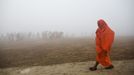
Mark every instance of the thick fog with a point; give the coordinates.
(78, 17)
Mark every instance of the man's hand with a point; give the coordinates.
(104, 52)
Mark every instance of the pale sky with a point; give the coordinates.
(69, 16)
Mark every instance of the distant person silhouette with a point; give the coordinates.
(104, 40)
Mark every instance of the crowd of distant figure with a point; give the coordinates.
(30, 35)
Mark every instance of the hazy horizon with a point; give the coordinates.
(70, 16)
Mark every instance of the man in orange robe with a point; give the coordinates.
(104, 40)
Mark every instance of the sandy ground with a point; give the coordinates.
(124, 67)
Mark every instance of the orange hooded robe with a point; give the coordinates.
(104, 40)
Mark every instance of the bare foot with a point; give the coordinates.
(109, 67)
(92, 68)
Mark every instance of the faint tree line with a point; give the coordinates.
(45, 35)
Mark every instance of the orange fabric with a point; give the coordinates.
(104, 40)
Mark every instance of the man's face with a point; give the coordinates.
(101, 24)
